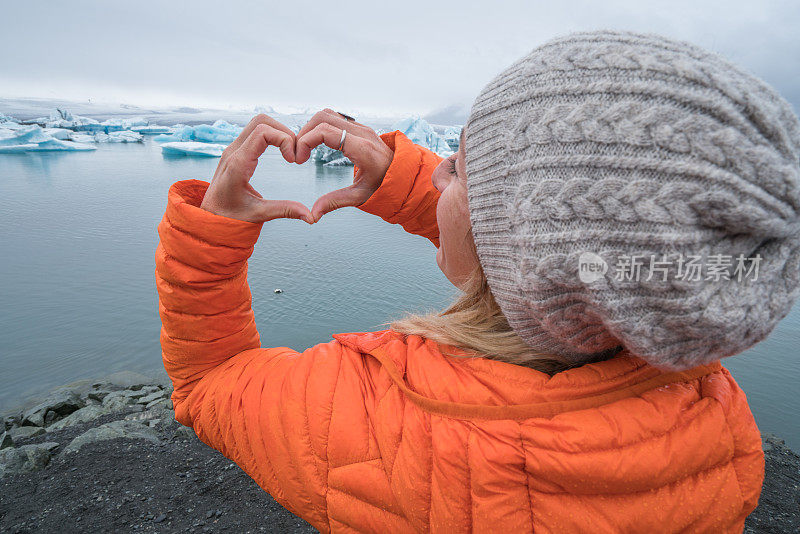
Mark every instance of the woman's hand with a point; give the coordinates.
(362, 145)
(230, 193)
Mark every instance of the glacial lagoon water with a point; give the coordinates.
(78, 292)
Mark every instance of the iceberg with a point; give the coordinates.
(55, 145)
(338, 162)
(452, 135)
(192, 148)
(420, 132)
(64, 119)
(12, 126)
(125, 124)
(10, 123)
(34, 139)
(327, 156)
(61, 118)
(125, 136)
(121, 136)
(219, 132)
(58, 133)
(83, 138)
(179, 133)
(151, 129)
(29, 134)
(16, 149)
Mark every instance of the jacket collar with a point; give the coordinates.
(480, 388)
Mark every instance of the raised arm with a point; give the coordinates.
(406, 196)
(392, 177)
(268, 410)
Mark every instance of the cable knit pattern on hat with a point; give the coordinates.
(630, 145)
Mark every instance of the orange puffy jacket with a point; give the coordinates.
(380, 432)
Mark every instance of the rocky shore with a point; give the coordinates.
(108, 456)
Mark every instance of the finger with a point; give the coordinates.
(252, 190)
(257, 142)
(284, 209)
(334, 119)
(255, 121)
(355, 147)
(347, 196)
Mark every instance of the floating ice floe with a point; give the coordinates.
(122, 136)
(8, 122)
(339, 162)
(59, 133)
(452, 135)
(329, 157)
(10, 125)
(420, 132)
(192, 148)
(16, 149)
(152, 129)
(61, 118)
(34, 139)
(179, 133)
(125, 124)
(219, 132)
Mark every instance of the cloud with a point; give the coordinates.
(409, 56)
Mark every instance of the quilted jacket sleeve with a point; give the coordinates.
(406, 195)
(269, 410)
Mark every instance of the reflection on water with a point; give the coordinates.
(78, 290)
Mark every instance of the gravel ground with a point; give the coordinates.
(133, 485)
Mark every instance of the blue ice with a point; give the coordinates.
(220, 132)
(192, 148)
(420, 132)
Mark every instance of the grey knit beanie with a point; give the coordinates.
(630, 190)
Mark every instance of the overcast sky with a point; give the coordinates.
(370, 56)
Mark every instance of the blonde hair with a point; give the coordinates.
(475, 324)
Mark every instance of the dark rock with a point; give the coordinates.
(10, 421)
(159, 403)
(113, 430)
(26, 458)
(23, 432)
(85, 414)
(160, 518)
(61, 401)
(184, 432)
(118, 400)
(50, 417)
(6, 441)
(98, 394)
(156, 395)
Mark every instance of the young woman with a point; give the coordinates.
(622, 213)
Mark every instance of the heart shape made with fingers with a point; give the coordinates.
(231, 194)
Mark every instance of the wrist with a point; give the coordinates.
(186, 212)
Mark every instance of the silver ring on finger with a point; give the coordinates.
(341, 142)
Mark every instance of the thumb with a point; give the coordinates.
(347, 196)
(283, 209)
